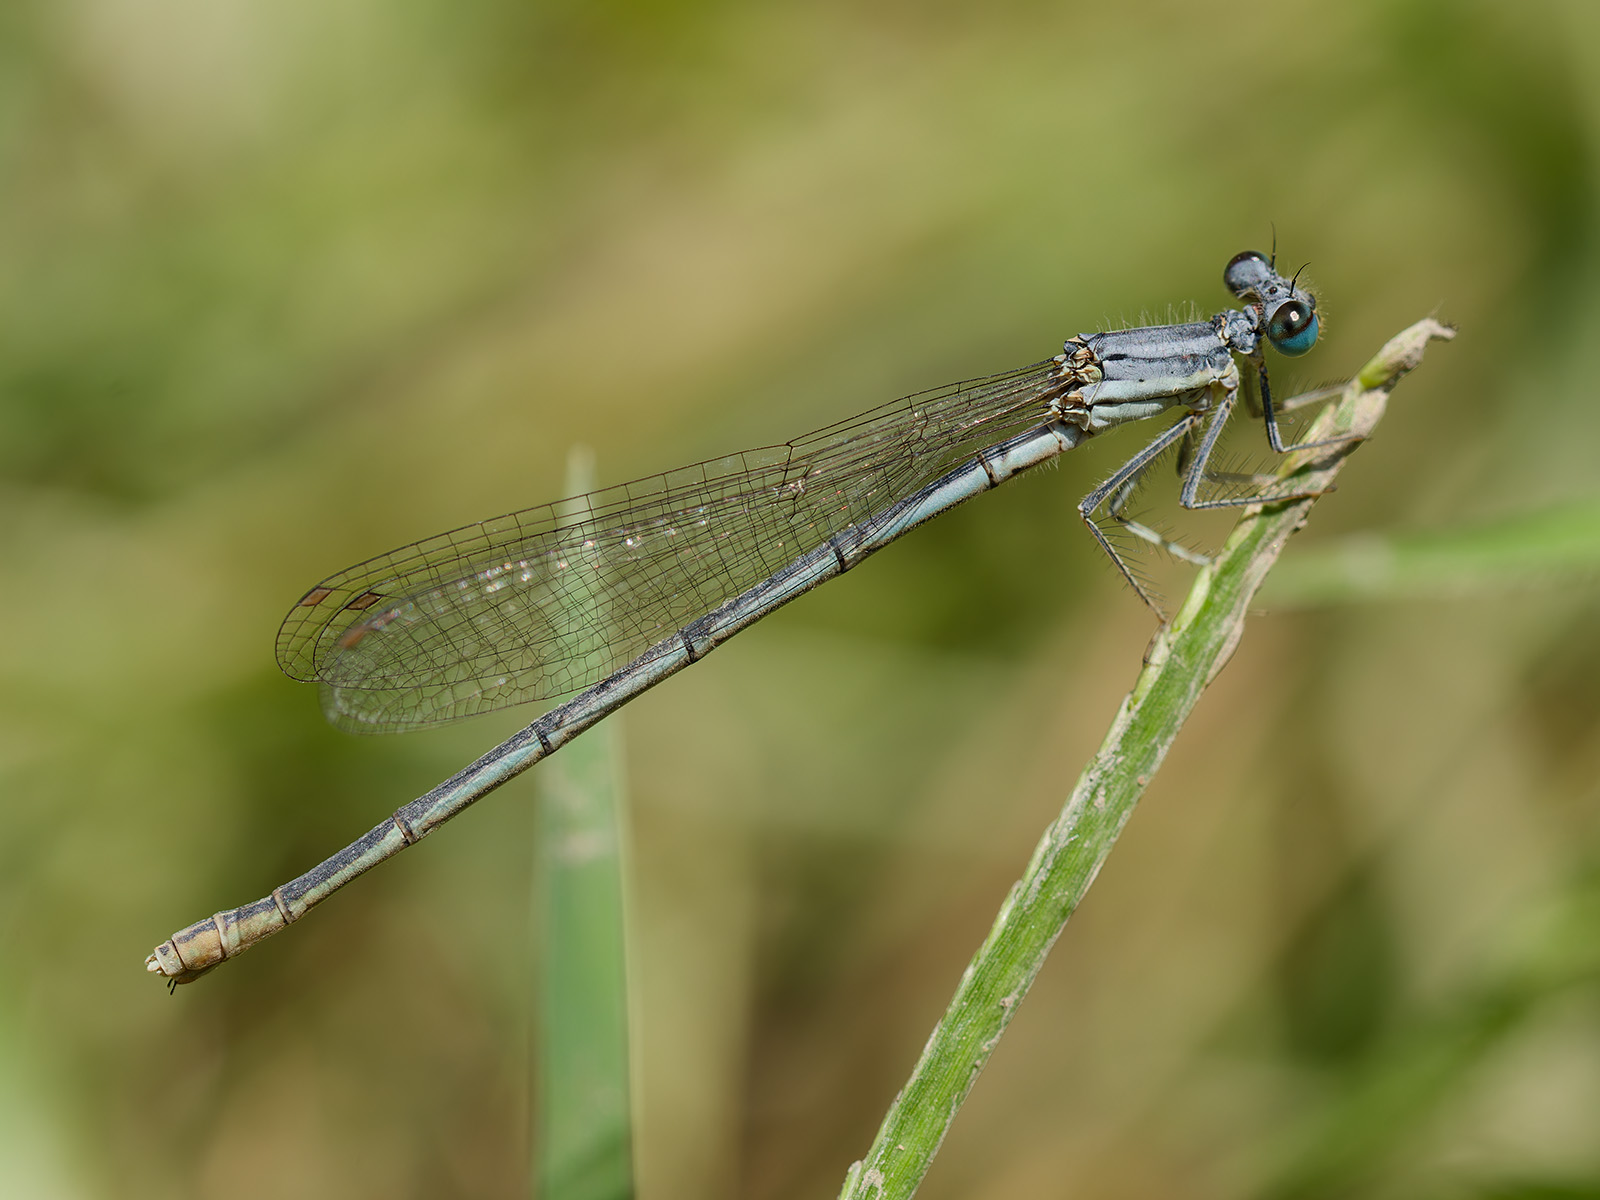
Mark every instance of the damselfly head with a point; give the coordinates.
(1284, 313)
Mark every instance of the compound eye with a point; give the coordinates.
(1245, 272)
(1292, 328)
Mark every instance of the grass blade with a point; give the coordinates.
(1550, 545)
(583, 1142)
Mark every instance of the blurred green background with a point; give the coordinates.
(284, 285)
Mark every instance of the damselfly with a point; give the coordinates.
(608, 594)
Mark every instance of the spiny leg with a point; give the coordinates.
(1115, 493)
(1314, 396)
(1252, 398)
(1190, 448)
(1274, 438)
(1119, 500)
(1252, 402)
(1198, 474)
(1250, 393)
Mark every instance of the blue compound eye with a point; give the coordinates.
(1292, 328)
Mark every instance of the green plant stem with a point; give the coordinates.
(1186, 656)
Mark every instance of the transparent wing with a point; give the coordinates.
(543, 602)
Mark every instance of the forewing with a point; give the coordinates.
(540, 603)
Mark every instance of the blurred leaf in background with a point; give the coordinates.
(282, 286)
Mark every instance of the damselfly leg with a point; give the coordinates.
(1196, 436)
